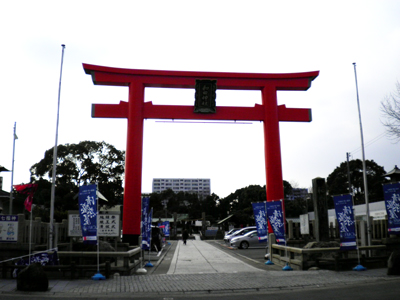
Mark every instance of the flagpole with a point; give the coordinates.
(12, 168)
(53, 185)
(363, 164)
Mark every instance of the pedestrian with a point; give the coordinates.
(185, 236)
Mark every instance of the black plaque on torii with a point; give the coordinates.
(205, 96)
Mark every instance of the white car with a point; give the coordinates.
(239, 232)
(250, 239)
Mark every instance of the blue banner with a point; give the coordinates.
(145, 223)
(45, 259)
(88, 213)
(391, 193)
(261, 221)
(166, 228)
(345, 218)
(275, 217)
(149, 226)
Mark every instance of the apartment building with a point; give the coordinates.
(200, 186)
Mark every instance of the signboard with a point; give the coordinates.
(205, 96)
(109, 224)
(378, 215)
(8, 228)
(74, 225)
(211, 232)
(304, 224)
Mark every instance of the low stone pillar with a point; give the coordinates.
(32, 278)
(290, 230)
(271, 241)
(56, 237)
(394, 263)
(21, 229)
(321, 230)
(313, 229)
(363, 233)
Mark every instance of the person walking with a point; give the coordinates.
(185, 236)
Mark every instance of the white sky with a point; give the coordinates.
(223, 36)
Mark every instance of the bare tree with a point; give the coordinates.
(390, 107)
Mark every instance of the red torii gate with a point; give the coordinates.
(136, 110)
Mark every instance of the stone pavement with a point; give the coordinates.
(200, 267)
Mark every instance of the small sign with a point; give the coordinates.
(74, 225)
(205, 96)
(304, 224)
(211, 232)
(8, 228)
(108, 224)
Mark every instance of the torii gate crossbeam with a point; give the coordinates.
(136, 110)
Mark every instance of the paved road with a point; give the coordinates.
(253, 256)
(193, 270)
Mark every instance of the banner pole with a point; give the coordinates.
(287, 267)
(30, 236)
(97, 235)
(98, 275)
(149, 264)
(359, 267)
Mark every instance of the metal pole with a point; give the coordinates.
(30, 235)
(364, 165)
(97, 232)
(12, 168)
(53, 185)
(348, 172)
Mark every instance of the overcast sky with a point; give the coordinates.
(222, 36)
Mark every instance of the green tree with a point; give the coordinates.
(295, 208)
(287, 188)
(168, 202)
(79, 164)
(337, 182)
(239, 204)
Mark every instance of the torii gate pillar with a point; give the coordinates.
(136, 110)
